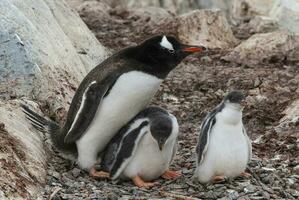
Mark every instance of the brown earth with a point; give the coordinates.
(190, 92)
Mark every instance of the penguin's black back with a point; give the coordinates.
(108, 71)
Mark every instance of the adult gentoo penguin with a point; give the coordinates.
(111, 94)
(223, 148)
(143, 149)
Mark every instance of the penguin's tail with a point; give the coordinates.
(38, 122)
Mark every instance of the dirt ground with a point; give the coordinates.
(190, 92)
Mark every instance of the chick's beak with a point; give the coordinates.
(161, 145)
(193, 49)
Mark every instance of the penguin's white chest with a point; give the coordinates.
(129, 95)
(148, 161)
(227, 152)
(228, 149)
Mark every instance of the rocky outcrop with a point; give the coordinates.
(45, 51)
(207, 27)
(284, 12)
(262, 24)
(287, 15)
(22, 155)
(289, 124)
(265, 47)
(175, 6)
(246, 9)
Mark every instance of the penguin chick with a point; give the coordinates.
(111, 94)
(143, 149)
(223, 148)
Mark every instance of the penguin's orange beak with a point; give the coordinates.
(193, 49)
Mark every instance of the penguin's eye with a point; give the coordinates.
(170, 50)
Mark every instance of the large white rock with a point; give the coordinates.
(45, 51)
(23, 159)
(207, 27)
(287, 15)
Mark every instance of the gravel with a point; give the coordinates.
(190, 91)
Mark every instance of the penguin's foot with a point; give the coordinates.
(245, 175)
(219, 179)
(168, 174)
(98, 174)
(141, 183)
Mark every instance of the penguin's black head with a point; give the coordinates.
(164, 52)
(235, 96)
(161, 128)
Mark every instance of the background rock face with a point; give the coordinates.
(207, 27)
(284, 11)
(289, 123)
(54, 48)
(45, 51)
(242, 9)
(175, 6)
(264, 48)
(22, 155)
(287, 15)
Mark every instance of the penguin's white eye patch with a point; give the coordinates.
(166, 44)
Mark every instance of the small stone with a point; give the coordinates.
(267, 169)
(295, 193)
(266, 195)
(257, 82)
(249, 189)
(232, 194)
(210, 195)
(93, 196)
(67, 196)
(54, 174)
(206, 59)
(296, 169)
(112, 197)
(186, 171)
(76, 172)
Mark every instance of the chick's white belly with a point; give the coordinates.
(227, 153)
(129, 95)
(149, 162)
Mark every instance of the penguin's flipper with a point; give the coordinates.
(127, 147)
(204, 135)
(91, 99)
(248, 143)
